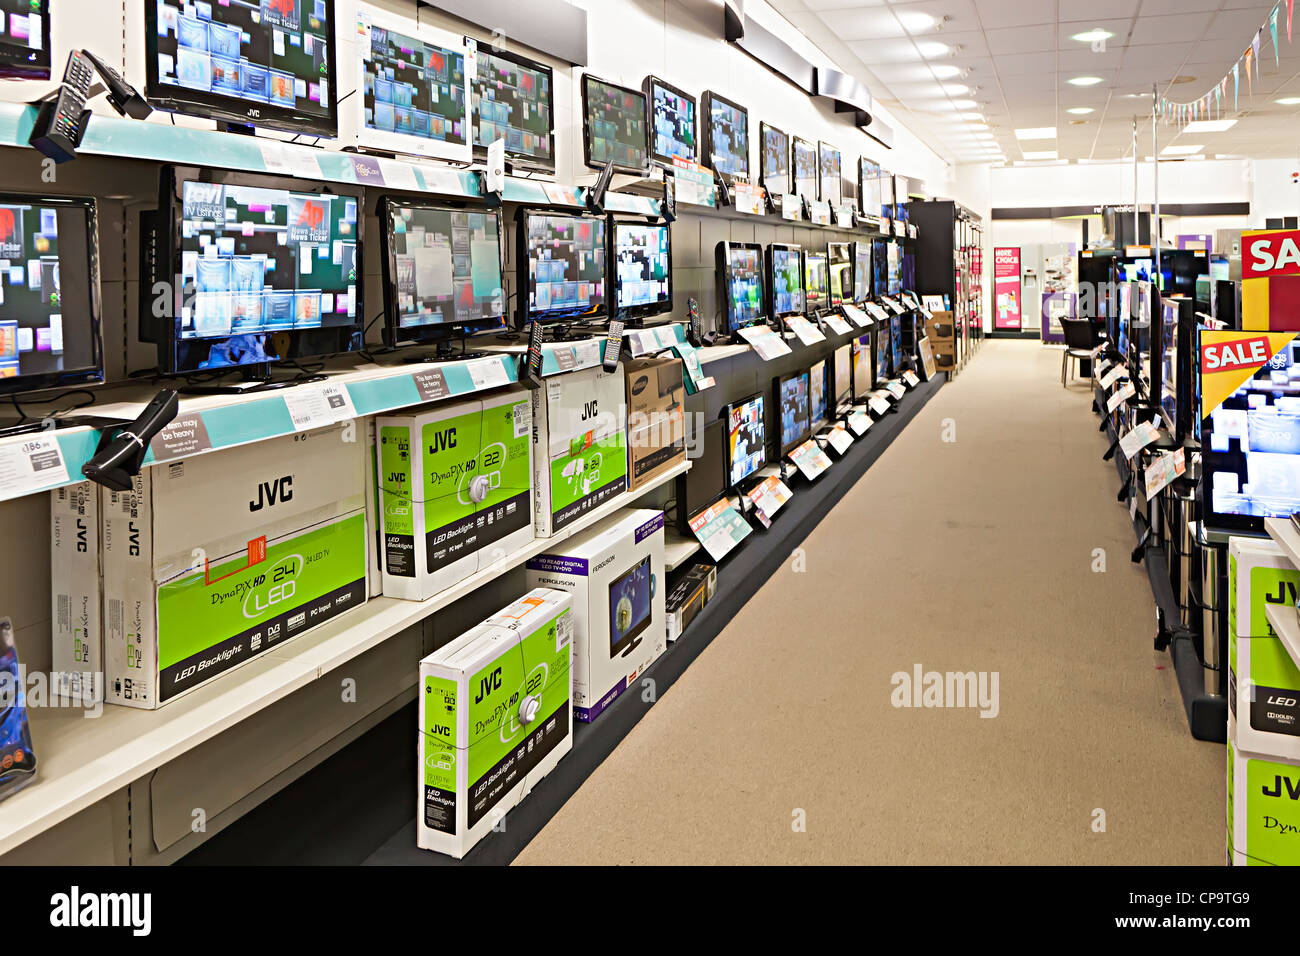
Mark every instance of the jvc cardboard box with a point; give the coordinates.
(1264, 682)
(579, 446)
(656, 418)
(1263, 808)
(615, 572)
(76, 593)
(494, 719)
(455, 491)
(213, 560)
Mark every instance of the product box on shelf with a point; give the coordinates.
(211, 561)
(455, 491)
(1263, 808)
(76, 595)
(17, 758)
(689, 596)
(656, 418)
(1263, 680)
(579, 446)
(494, 719)
(615, 572)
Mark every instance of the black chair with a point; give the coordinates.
(1078, 345)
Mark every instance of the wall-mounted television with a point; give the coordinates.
(746, 438)
(726, 140)
(816, 281)
(818, 395)
(614, 128)
(513, 98)
(785, 279)
(643, 269)
(25, 39)
(803, 164)
(674, 123)
(793, 410)
(740, 283)
(843, 374)
(829, 183)
(773, 159)
(563, 270)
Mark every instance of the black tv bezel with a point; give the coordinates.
(874, 374)
(222, 109)
(809, 308)
(90, 374)
(883, 370)
(847, 261)
(706, 154)
(723, 267)
(616, 649)
(171, 178)
(523, 275)
(727, 463)
(634, 313)
(770, 267)
(647, 88)
(839, 157)
(782, 448)
(517, 161)
(764, 176)
(845, 397)
(855, 246)
(794, 168)
(829, 411)
(686, 504)
(15, 67)
(587, 79)
(394, 334)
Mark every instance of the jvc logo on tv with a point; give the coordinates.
(443, 441)
(271, 493)
(487, 685)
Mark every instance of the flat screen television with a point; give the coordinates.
(441, 269)
(266, 64)
(513, 98)
(864, 377)
(746, 438)
(562, 267)
(50, 332)
(871, 201)
(674, 123)
(773, 159)
(884, 353)
(25, 39)
(643, 270)
(740, 283)
(785, 278)
(843, 379)
(880, 267)
(816, 281)
(793, 411)
(1250, 449)
(902, 188)
(818, 392)
(840, 272)
(894, 264)
(267, 269)
(803, 165)
(896, 343)
(705, 483)
(1169, 362)
(829, 184)
(614, 126)
(861, 271)
(726, 140)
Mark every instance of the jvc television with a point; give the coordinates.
(513, 98)
(829, 183)
(643, 270)
(793, 412)
(773, 159)
(726, 138)
(563, 270)
(268, 63)
(843, 371)
(803, 164)
(1250, 448)
(49, 293)
(264, 269)
(861, 271)
(785, 278)
(746, 438)
(614, 126)
(864, 376)
(25, 39)
(740, 284)
(629, 607)
(816, 282)
(674, 123)
(817, 395)
(442, 270)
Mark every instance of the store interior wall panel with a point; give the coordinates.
(99, 835)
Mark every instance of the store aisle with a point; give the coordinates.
(968, 555)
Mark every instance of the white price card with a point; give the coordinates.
(807, 333)
(767, 498)
(1163, 470)
(840, 439)
(1120, 397)
(857, 316)
(719, 528)
(31, 464)
(897, 389)
(1138, 437)
(315, 406)
(910, 378)
(810, 459)
(1113, 376)
(820, 213)
(1096, 353)
(765, 342)
(791, 208)
(747, 198)
(859, 423)
(880, 314)
(487, 373)
(1100, 369)
(879, 405)
(837, 325)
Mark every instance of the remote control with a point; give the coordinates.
(613, 345)
(61, 123)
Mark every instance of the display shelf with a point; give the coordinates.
(1285, 621)
(572, 356)
(1284, 534)
(735, 215)
(82, 759)
(678, 550)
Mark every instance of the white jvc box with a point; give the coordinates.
(494, 719)
(76, 593)
(615, 572)
(215, 559)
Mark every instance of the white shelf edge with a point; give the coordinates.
(678, 550)
(1285, 536)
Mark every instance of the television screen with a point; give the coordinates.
(840, 270)
(880, 267)
(643, 283)
(746, 439)
(884, 353)
(565, 257)
(728, 136)
(266, 63)
(828, 173)
(844, 373)
(443, 267)
(861, 271)
(896, 343)
(274, 266)
(51, 272)
(614, 130)
(817, 393)
(740, 268)
(513, 99)
(787, 280)
(673, 123)
(864, 379)
(902, 187)
(803, 160)
(793, 408)
(816, 280)
(25, 39)
(774, 159)
(1169, 364)
(895, 273)
(703, 484)
(629, 605)
(871, 199)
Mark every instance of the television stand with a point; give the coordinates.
(257, 378)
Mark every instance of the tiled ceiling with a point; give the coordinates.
(966, 74)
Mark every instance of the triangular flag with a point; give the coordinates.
(1272, 29)
(1236, 83)
(1290, 8)
(1250, 79)
(1217, 386)
(1254, 46)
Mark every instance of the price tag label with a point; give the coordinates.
(840, 439)
(810, 459)
(910, 378)
(879, 405)
(1138, 437)
(897, 389)
(768, 497)
(1163, 470)
(859, 423)
(880, 314)
(791, 208)
(806, 332)
(857, 316)
(821, 213)
(487, 373)
(1113, 376)
(747, 198)
(1120, 397)
(31, 464)
(561, 195)
(720, 528)
(837, 325)
(315, 406)
(765, 342)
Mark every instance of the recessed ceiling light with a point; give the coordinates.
(933, 49)
(1037, 132)
(1093, 36)
(955, 89)
(1040, 154)
(1209, 126)
(1084, 80)
(970, 116)
(916, 22)
(945, 71)
(1180, 150)
(1183, 78)
(977, 125)
(1081, 110)
(1289, 101)
(963, 104)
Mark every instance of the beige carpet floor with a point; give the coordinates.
(968, 555)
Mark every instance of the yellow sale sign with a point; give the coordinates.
(1230, 359)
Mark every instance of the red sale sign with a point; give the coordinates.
(1229, 356)
(1274, 253)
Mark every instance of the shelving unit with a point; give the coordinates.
(950, 262)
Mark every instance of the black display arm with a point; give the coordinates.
(120, 454)
(123, 97)
(596, 197)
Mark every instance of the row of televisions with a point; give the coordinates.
(429, 92)
(753, 431)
